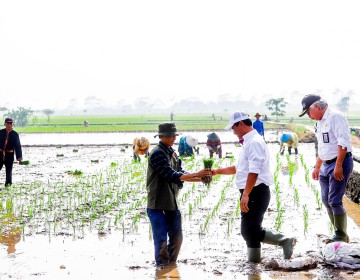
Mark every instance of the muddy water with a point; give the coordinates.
(219, 252)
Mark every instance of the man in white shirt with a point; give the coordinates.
(253, 178)
(334, 163)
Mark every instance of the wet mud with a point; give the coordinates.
(213, 247)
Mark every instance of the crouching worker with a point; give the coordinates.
(291, 140)
(187, 146)
(213, 143)
(140, 147)
(253, 178)
(165, 178)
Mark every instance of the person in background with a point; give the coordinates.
(291, 140)
(213, 143)
(259, 125)
(165, 178)
(140, 147)
(9, 147)
(187, 146)
(253, 177)
(334, 162)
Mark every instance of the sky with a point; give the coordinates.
(52, 52)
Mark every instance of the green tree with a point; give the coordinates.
(20, 116)
(48, 113)
(276, 106)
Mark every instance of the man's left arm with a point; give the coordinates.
(250, 183)
(17, 146)
(341, 132)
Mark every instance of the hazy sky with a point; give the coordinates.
(53, 51)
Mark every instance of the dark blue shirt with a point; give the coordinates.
(159, 162)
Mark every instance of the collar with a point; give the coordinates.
(249, 135)
(326, 113)
(169, 150)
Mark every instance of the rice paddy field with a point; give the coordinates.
(79, 212)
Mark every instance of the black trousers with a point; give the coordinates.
(8, 169)
(251, 222)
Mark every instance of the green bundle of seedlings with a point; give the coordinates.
(208, 163)
(25, 162)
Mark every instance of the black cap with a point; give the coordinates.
(167, 129)
(8, 120)
(307, 101)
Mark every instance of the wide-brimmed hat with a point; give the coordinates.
(8, 120)
(307, 101)
(236, 117)
(167, 130)
(191, 141)
(257, 115)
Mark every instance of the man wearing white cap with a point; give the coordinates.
(253, 178)
(334, 163)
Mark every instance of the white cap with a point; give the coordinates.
(236, 117)
(191, 141)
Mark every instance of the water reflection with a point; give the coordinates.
(10, 231)
(167, 272)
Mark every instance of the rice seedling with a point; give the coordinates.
(296, 197)
(306, 219)
(279, 219)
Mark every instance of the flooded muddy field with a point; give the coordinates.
(78, 212)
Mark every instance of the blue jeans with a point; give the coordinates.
(166, 225)
(332, 190)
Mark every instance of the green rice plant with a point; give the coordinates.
(318, 198)
(306, 219)
(279, 219)
(190, 209)
(296, 197)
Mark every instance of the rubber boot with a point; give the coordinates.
(331, 217)
(289, 150)
(286, 243)
(340, 225)
(296, 151)
(254, 255)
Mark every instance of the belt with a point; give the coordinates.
(7, 151)
(348, 154)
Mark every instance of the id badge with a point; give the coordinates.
(325, 137)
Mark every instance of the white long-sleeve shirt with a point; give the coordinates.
(332, 131)
(254, 158)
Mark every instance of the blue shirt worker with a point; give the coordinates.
(9, 147)
(334, 163)
(291, 140)
(253, 178)
(187, 145)
(165, 178)
(259, 125)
